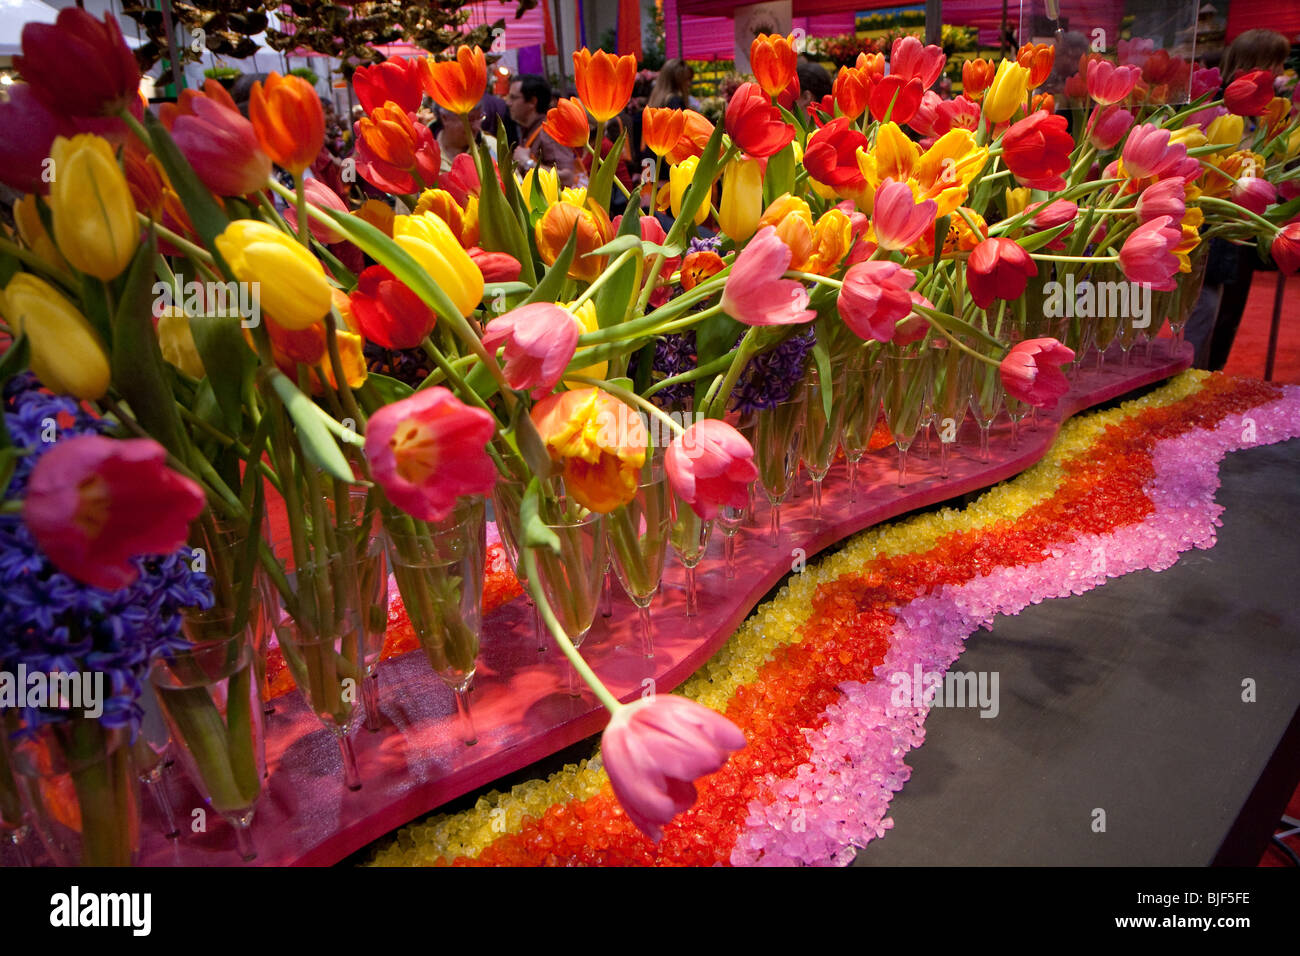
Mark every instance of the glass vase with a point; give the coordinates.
(210, 697)
(824, 410)
(951, 394)
(507, 498)
(776, 435)
(81, 791)
(638, 535)
(572, 580)
(905, 391)
(986, 394)
(690, 539)
(439, 570)
(861, 400)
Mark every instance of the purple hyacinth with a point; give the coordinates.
(772, 377)
(51, 622)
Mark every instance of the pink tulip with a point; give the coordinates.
(539, 340)
(710, 465)
(427, 449)
(961, 112)
(1107, 126)
(94, 503)
(1149, 154)
(1061, 212)
(22, 158)
(1031, 372)
(1203, 118)
(1108, 83)
(655, 748)
(1254, 193)
(1166, 198)
(874, 298)
(223, 148)
(755, 293)
(1148, 254)
(323, 197)
(928, 120)
(909, 59)
(1205, 81)
(898, 218)
(915, 326)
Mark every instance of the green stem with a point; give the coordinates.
(630, 397)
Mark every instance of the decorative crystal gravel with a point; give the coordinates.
(826, 746)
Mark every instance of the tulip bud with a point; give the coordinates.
(431, 243)
(91, 207)
(1006, 93)
(176, 340)
(292, 287)
(66, 354)
(32, 232)
(742, 199)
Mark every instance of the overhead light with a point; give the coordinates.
(6, 79)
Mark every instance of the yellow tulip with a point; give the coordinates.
(831, 239)
(1017, 200)
(742, 199)
(32, 231)
(1227, 130)
(176, 340)
(1293, 144)
(792, 219)
(587, 321)
(679, 179)
(291, 283)
(1007, 93)
(431, 243)
(1189, 136)
(91, 207)
(942, 173)
(548, 179)
(66, 354)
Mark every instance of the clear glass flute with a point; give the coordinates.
(951, 395)
(861, 399)
(572, 580)
(986, 396)
(823, 424)
(731, 519)
(690, 539)
(507, 497)
(638, 542)
(907, 382)
(776, 437)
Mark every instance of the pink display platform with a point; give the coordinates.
(522, 710)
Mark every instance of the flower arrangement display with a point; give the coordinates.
(609, 368)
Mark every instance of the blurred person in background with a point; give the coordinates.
(529, 99)
(454, 139)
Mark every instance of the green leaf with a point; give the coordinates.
(498, 225)
(1284, 212)
(316, 441)
(388, 389)
(822, 356)
(941, 227)
(959, 326)
(548, 290)
(620, 243)
(1040, 239)
(535, 532)
(601, 187)
(9, 267)
(779, 178)
(714, 338)
(701, 187)
(94, 306)
(139, 372)
(8, 462)
(530, 444)
(616, 298)
(227, 361)
(205, 214)
(15, 360)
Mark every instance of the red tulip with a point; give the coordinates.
(896, 98)
(1148, 254)
(1053, 214)
(1031, 372)
(1254, 193)
(998, 269)
(79, 66)
(428, 449)
(709, 466)
(23, 158)
(874, 298)
(655, 748)
(395, 81)
(462, 179)
(387, 312)
(539, 341)
(831, 157)
(898, 219)
(929, 120)
(1250, 93)
(495, 266)
(755, 293)
(774, 61)
(1037, 150)
(698, 266)
(1168, 197)
(1286, 248)
(93, 504)
(755, 124)
(915, 326)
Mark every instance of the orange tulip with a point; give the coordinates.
(851, 90)
(696, 130)
(599, 441)
(1043, 101)
(604, 81)
(458, 84)
(976, 75)
(774, 62)
(288, 120)
(661, 129)
(378, 213)
(593, 228)
(567, 124)
(1037, 58)
(872, 64)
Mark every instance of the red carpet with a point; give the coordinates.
(1251, 345)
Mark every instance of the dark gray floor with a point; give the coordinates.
(1128, 699)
